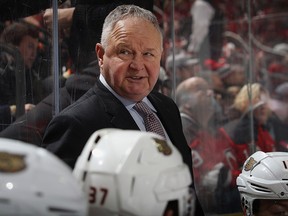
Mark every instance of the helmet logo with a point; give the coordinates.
(162, 146)
(11, 163)
(249, 165)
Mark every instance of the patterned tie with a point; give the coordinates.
(151, 122)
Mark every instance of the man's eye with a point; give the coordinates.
(125, 52)
(148, 54)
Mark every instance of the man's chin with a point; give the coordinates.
(137, 96)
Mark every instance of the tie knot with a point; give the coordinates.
(143, 108)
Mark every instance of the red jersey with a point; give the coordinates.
(210, 149)
(264, 142)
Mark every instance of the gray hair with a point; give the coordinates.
(123, 12)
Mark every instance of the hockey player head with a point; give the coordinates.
(35, 182)
(133, 173)
(263, 184)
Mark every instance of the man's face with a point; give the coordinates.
(262, 112)
(131, 62)
(28, 49)
(273, 208)
(202, 94)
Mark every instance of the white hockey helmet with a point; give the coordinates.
(35, 182)
(128, 172)
(264, 176)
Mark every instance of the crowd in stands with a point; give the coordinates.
(245, 71)
(225, 63)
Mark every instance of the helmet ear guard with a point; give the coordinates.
(139, 172)
(264, 176)
(33, 181)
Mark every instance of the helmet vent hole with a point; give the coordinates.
(84, 175)
(260, 188)
(97, 139)
(139, 158)
(285, 165)
(58, 210)
(89, 156)
(132, 186)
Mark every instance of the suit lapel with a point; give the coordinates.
(120, 117)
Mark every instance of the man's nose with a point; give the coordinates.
(137, 63)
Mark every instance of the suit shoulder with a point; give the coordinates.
(85, 103)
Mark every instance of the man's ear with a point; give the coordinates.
(100, 54)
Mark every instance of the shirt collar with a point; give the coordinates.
(126, 102)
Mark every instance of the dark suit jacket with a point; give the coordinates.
(68, 132)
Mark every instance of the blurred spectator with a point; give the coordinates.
(214, 162)
(217, 87)
(232, 75)
(185, 66)
(194, 98)
(279, 102)
(278, 65)
(279, 106)
(24, 39)
(258, 130)
(176, 26)
(226, 101)
(206, 39)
